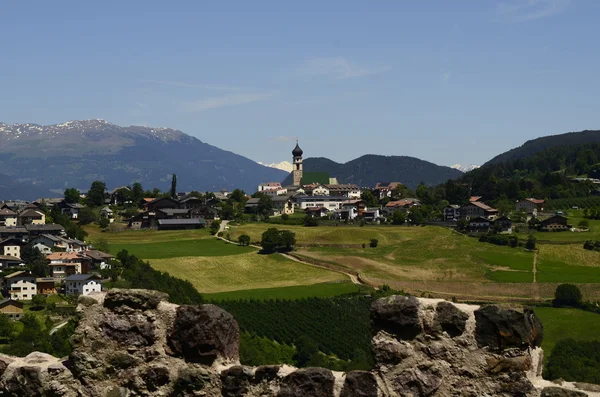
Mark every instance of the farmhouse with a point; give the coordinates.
(349, 190)
(8, 217)
(161, 203)
(49, 228)
(181, 224)
(359, 206)
(480, 223)
(283, 205)
(82, 284)
(530, 206)
(30, 216)
(503, 224)
(385, 189)
(20, 285)
(17, 232)
(477, 209)
(371, 215)
(63, 264)
(108, 214)
(316, 212)
(70, 209)
(46, 285)
(11, 308)
(452, 213)
(99, 259)
(268, 186)
(402, 205)
(12, 247)
(330, 202)
(9, 261)
(555, 223)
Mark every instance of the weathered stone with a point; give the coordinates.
(266, 373)
(136, 299)
(359, 384)
(203, 333)
(505, 326)
(86, 300)
(389, 351)
(156, 377)
(450, 318)
(4, 362)
(516, 384)
(308, 382)
(128, 330)
(509, 364)
(122, 360)
(417, 382)
(398, 315)
(235, 381)
(560, 392)
(191, 380)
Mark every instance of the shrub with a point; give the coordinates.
(374, 242)
(310, 221)
(584, 223)
(530, 244)
(567, 295)
(244, 240)
(592, 245)
(274, 239)
(285, 217)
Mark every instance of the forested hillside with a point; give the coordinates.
(546, 174)
(537, 145)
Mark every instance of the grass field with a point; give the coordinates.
(567, 323)
(323, 290)
(179, 248)
(210, 274)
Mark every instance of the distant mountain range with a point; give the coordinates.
(465, 168)
(284, 166)
(369, 169)
(76, 153)
(537, 145)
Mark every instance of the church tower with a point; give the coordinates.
(297, 153)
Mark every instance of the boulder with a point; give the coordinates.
(502, 327)
(450, 318)
(397, 315)
(235, 381)
(125, 300)
(360, 384)
(203, 333)
(308, 382)
(417, 382)
(509, 364)
(554, 391)
(389, 351)
(128, 330)
(155, 377)
(266, 373)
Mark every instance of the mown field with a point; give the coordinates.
(214, 266)
(323, 290)
(567, 323)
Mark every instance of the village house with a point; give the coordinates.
(18, 232)
(63, 264)
(20, 285)
(332, 203)
(119, 196)
(477, 209)
(46, 285)
(9, 261)
(12, 247)
(30, 216)
(181, 223)
(54, 229)
(275, 191)
(503, 224)
(555, 223)
(400, 205)
(530, 206)
(346, 214)
(8, 217)
(316, 212)
(349, 190)
(48, 202)
(82, 284)
(283, 205)
(452, 213)
(480, 224)
(99, 259)
(371, 214)
(268, 186)
(70, 209)
(108, 214)
(316, 189)
(385, 189)
(14, 205)
(161, 203)
(359, 205)
(11, 308)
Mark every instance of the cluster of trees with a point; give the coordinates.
(592, 213)
(592, 245)
(35, 336)
(316, 327)
(570, 202)
(567, 295)
(131, 272)
(574, 361)
(274, 239)
(510, 240)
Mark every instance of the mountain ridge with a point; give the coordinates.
(77, 152)
(369, 169)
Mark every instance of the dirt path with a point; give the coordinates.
(352, 277)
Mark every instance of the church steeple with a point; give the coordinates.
(297, 172)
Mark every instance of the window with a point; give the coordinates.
(24, 295)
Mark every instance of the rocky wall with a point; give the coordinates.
(136, 343)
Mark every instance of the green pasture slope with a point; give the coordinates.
(323, 290)
(565, 323)
(181, 248)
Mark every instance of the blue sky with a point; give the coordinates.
(445, 81)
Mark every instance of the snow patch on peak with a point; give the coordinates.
(284, 166)
(465, 167)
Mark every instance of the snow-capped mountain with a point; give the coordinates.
(464, 168)
(284, 166)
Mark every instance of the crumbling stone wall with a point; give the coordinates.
(136, 343)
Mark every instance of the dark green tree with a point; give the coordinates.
(271, 239)
(307, 351)
(6, 327)
(174, 186)
(530, 244)
(369, 198)
(87, 215)
(398, 218)
(137, 193)
(37, 262)
(72, 195)
(567, 295)
(244, 240)
(96, 194)
(39, 301)
(103, 222)
(288, 239)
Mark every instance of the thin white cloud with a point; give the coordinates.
(283, 138)
(225, 101)
(446, 76)
(339, 68)
(192, 85)
(529, 10)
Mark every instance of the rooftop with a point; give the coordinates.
(194, 221)
(82, 277)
